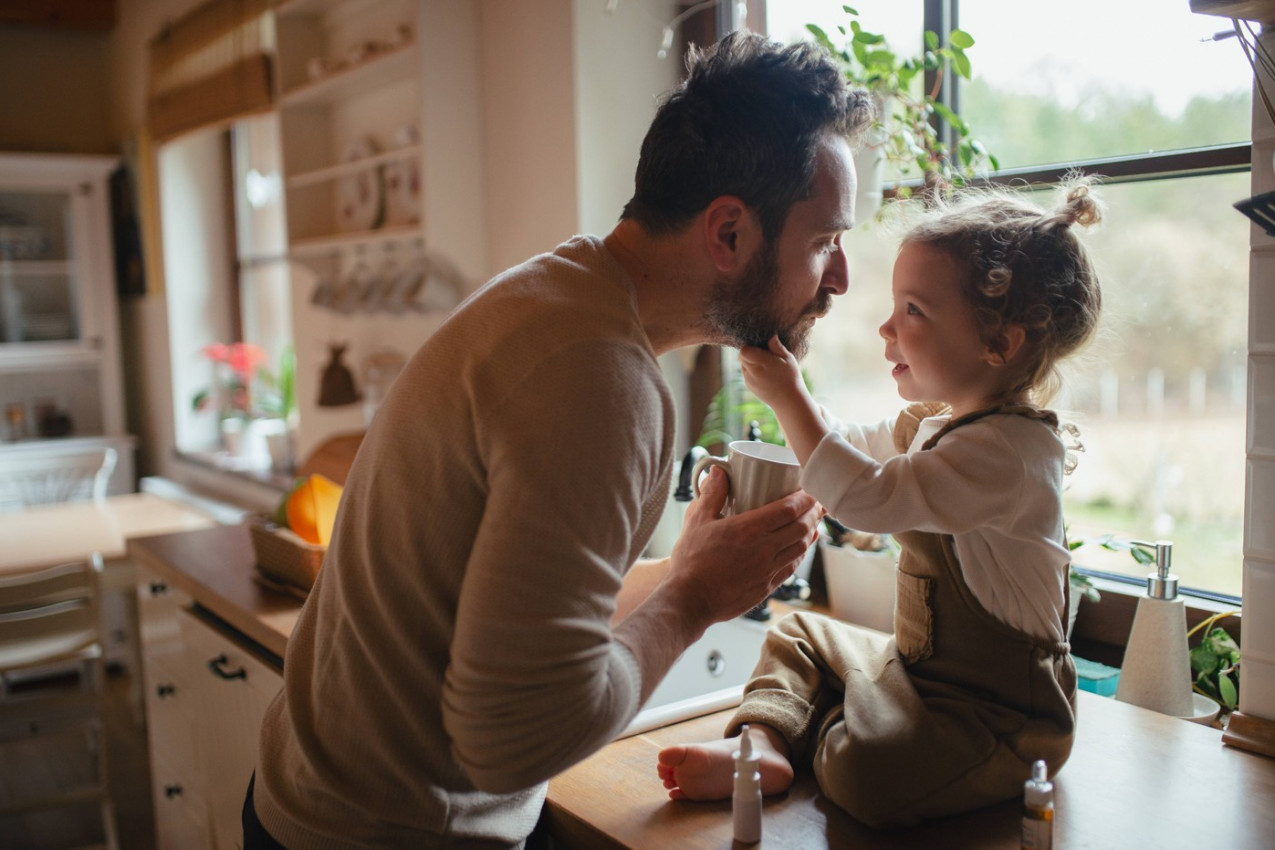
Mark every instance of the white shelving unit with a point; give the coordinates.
(59, 332)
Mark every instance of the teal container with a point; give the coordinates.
(1096, 678)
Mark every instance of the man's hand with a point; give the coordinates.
(723, 566)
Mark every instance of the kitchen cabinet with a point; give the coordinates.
(207, 689)
(61, 388)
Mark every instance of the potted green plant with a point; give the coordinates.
(1215, 662)
(734, 413)
(906, 134)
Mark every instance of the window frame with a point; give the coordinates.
(1102, 628)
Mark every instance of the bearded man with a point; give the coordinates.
(478, 625)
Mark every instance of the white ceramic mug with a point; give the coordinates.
(759, 473)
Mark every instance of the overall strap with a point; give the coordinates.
(1030, 411)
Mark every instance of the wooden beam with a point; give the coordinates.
(77, 15)
(1262, 11)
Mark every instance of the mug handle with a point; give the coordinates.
(702, 465)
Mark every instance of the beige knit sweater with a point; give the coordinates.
(455, 652)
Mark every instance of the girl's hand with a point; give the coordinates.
(772, 374)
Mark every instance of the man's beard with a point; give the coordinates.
(742, 308)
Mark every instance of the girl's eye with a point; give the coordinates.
(913, 310)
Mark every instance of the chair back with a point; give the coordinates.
(40, 479)
(51, 615)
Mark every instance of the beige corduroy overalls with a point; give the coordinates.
(945, 716)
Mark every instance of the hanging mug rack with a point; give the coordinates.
(390, 280)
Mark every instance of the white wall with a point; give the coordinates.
(528, 127)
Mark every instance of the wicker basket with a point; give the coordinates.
(284, 557)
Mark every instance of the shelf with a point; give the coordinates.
(320, 245)
(36, 268)
(382, 69)
(346, 169)
(1262, 11)
(47, 356)
(307, 7)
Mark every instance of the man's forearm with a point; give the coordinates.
(641, 579)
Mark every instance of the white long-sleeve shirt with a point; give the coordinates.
(994, 484)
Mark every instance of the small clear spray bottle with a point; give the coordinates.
(1038, 809)
(746, 801)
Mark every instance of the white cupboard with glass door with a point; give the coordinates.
(61, 386)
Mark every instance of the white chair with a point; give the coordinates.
(50, 621)
(39, 479)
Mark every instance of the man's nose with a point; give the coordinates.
(836, 277)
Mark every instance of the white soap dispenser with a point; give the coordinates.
(746, 801)
(1156, 673)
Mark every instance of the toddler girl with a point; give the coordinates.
(977, 682)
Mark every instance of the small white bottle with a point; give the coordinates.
(1038, 809)
(746, 801)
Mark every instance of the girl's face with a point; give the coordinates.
(932, 338)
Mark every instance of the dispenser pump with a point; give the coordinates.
(1161, 584)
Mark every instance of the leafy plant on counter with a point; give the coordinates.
(1216, 663)
(1111, 543)
(907, 124)
(736, 414)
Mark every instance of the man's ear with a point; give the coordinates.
(730, 232)
(1005, 346)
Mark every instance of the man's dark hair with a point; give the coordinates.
(746, 122)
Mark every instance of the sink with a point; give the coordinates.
(709, 676)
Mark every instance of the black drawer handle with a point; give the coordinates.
(218, 666)
(171, 791)
(158, 587)
(165, 691)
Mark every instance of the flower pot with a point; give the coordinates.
(860, 584)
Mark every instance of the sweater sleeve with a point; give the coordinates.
(536, 681)
(971, 478)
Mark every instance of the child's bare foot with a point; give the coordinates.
(707, 771)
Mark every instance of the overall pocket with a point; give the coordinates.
(914, 617)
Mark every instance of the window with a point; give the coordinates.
(222, 219)
(1141, 93)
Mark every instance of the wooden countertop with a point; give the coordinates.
(216, 567)
(1135, 779)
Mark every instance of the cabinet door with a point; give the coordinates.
(181, 816)
(234, 688)
(39, 285)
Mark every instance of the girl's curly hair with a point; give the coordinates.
(1024, 266)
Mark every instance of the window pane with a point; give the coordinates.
(1159, 395)
(1092, 82)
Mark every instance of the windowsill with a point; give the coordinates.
(218, 462)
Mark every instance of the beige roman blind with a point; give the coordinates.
(210, 67)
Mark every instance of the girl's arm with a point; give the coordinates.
(774, 377)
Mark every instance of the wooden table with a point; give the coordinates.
(67, 531)
(1135, 779)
